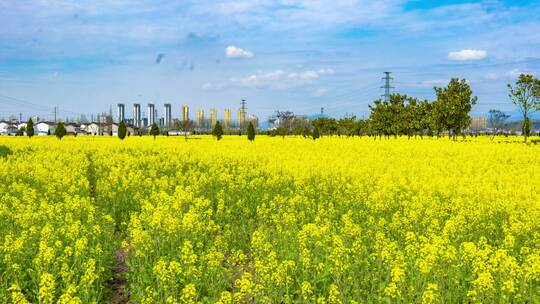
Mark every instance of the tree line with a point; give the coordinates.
(402, 115)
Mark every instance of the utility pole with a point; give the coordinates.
(20, 117)
(387, 87)
(55, 109)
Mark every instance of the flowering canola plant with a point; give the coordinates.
(336, 220)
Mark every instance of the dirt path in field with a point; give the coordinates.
(118, 283)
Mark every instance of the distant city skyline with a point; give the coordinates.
(297, 55)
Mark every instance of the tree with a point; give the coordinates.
(251, 131)
(347, 125)
(496, 120)
(30, 128)
(526, 128)
(316, 133)
(122, 130)
(218, 131)
(525, 94)
(20, 131)
(60, 131)
(453, 104)
(326, 125)
(154, 130)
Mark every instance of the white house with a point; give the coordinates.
(7, 128)
(93, 129)
(3, 127)
(44, 128)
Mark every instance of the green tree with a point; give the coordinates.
(347, 125)
(122, 130)
(525, 94)
(424, 117)
(327, 126)
(316, 132)
(218, 131)
(251, 131)
(378, 117)
(30, 128)
(154, 130)
(60, 130)
(454, 103)
(526, 128)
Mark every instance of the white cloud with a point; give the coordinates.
(280, 78)
(235, 52)
(467, 55)
(308, 75)
(259, 78)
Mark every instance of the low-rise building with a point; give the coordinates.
(8, 128)
(44, 128)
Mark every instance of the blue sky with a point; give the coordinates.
(297, 55)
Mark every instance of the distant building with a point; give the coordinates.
(241, 118)
(120, 112)
(151, 114)
(478, 124)
(137, 115)
(185, 113)
(227, 118)
(200, 118)
(213, 117)
(8, 128)
(73, 129)
(45, 128)
(167, 118)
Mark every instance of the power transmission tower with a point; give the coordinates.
(387, 87)
(55, 114)
(322, 111)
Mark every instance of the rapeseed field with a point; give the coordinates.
(292, 220)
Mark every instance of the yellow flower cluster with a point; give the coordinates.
(336, 220)
(56, 243)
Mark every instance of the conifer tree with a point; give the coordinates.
(251, 131)
(154, 130)
(60, 131)
(30, 128)
(122, 130)
(218, 131)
